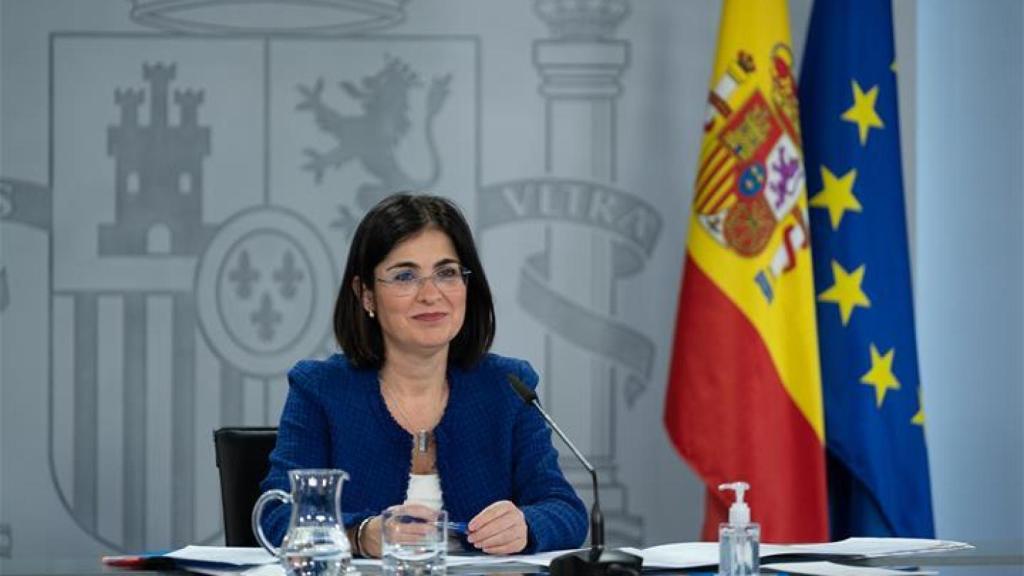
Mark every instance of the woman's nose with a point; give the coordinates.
(428, 290)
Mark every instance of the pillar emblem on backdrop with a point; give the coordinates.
(595, 237)
(206, 178)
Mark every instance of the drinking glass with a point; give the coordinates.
(414, 541)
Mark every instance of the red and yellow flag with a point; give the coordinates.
(744, 395)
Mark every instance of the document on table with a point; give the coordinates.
(680, 555)
(221, 555)
(877, 547)
(833, 569)
(542, 559)
(264, 570)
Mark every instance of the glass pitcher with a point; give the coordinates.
(315, 544)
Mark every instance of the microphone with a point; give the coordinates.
(597, 561)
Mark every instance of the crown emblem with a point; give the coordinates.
(308, 17)
(582, 19)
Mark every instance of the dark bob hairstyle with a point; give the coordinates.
(391, 221)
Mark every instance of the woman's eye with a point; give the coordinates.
(406, 277)
(448, 273)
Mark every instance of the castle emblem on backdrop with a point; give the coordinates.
(373, 136)
(142, 205)
(751, 170)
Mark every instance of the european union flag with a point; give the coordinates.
(874, 421)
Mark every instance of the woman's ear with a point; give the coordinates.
(365, 295)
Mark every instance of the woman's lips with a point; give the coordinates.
(430, 316)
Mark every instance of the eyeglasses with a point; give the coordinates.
(448, 279)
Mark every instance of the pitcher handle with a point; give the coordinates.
(257, 510)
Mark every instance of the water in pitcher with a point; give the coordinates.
(315, 551)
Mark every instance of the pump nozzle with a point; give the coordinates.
(739, 512)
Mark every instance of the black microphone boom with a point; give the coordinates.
(597, 561)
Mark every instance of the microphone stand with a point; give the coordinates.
(597, 561)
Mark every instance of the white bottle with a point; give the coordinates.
(739, 538)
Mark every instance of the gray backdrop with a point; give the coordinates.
(178, 190)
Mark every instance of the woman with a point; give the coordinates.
(417, 410)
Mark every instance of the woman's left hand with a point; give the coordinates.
(499, 529)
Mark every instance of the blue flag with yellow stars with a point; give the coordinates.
(874, 420)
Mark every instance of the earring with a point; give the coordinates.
(370, 312)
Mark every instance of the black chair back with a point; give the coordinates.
(243, 460)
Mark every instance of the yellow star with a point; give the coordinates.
(846, 291)
(918, 418)
(837, 195)
(880, 375)
(863, 112)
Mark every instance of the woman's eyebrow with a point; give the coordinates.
(415, 266)
(445, 262)
(404, 264)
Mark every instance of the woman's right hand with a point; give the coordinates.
(369, 538)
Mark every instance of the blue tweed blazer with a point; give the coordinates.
(490, 446)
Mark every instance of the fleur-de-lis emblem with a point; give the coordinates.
(266, 318)
(288, 276)
(244, 275)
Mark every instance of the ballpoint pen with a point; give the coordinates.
(458, 527)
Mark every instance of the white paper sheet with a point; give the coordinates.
(832, 569)
(222, 555)
(878, 547)
(264, 570)
(679, 555)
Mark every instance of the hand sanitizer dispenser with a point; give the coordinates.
(739, 538)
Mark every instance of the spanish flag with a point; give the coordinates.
(744, 398)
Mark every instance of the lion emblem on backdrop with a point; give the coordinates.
(372, 137)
